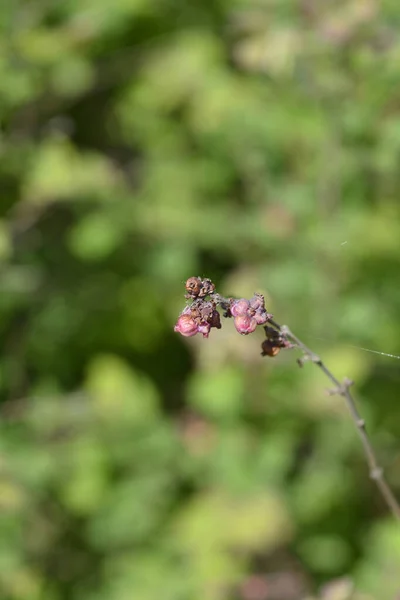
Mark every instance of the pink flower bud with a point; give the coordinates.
(186, 326)
(245, 324)
(261, 316)
(204, 328)
(239, 308)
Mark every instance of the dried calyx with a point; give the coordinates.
(201, 315)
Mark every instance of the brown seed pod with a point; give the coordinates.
(193, 287)
(215, 320)
(269, 348)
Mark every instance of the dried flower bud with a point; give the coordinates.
(186, 326)
(204, 309)
(197, 287)
(245, 324)
(207, 288)
(240, 308)
(269, 349)
(215, 319)
(193, 286)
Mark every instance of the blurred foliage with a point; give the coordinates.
(256, 143)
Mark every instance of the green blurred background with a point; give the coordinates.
(145, 141)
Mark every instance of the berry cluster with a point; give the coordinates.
(201, 315)
(247, 314)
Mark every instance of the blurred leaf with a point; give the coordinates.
(325, 553)
(94, 238)
(219, 393)
(119, 392)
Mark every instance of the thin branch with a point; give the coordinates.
(200, 316)
(343, 389)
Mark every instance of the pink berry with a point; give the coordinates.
(261, 316)
(239, 308)
(245, 324)
(186, 326)
(204, 328)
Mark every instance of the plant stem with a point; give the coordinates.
(343, 389)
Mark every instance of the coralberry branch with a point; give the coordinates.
(201, 315)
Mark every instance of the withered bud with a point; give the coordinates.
(193, 286)
(196, 287)
(274, 342)
(215, 320)
(207, 288)
(269, 349)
